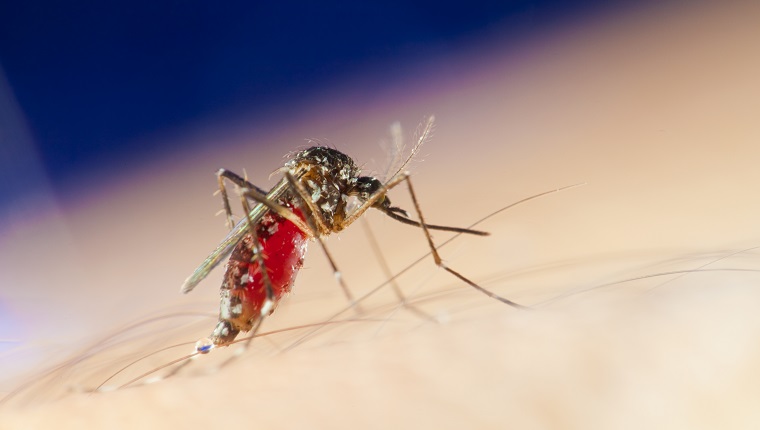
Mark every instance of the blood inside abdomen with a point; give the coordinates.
(283, 246)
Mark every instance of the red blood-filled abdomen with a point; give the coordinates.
(283, 246)
(243, 292)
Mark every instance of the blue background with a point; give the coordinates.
(92, 79)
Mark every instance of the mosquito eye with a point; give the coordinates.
(366, 186)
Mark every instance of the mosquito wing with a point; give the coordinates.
(236, 235)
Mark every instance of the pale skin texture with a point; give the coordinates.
(656, 111)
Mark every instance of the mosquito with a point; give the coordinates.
(321, 192)
(270, 223)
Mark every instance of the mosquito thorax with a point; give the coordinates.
(329, 177)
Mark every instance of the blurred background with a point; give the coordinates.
(97, 95)
(114, 117)
(99, 85)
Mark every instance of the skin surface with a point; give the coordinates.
(656, 110)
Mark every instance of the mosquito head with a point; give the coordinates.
(366, 186)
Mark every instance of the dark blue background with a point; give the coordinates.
(93, 77)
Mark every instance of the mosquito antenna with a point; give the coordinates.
(427, 128)
(396, 151)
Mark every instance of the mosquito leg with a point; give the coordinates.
(258, 258)
(308, 228)
(321, 226)
(236, 179)
(280, 210)
(339, 277)
(389, 274)
(437, 257)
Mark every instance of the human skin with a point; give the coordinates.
(655, 111)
